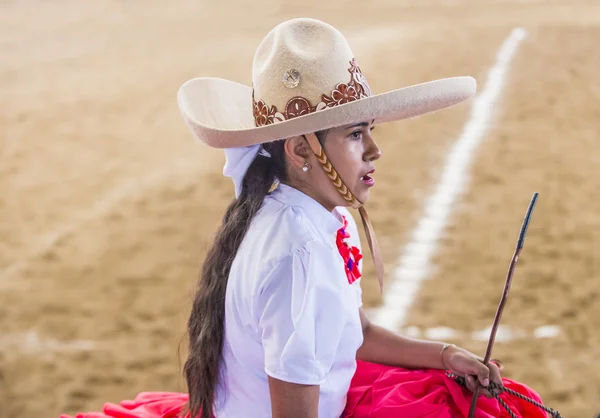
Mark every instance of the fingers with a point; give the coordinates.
(495, 377)
(495, 374)
(477, 374)
(472, 384)
(483, 374)
(491, 373)
(474, 366)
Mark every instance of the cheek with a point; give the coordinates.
(352, 168)
(347, 161)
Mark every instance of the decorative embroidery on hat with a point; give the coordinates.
(357, 88)
(351, 255)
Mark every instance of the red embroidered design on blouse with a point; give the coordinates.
(351, 255)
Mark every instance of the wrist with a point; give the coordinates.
(445, 353)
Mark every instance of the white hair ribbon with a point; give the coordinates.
(237, 161)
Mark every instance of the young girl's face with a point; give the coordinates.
(353, 152)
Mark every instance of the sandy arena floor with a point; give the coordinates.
(108, 205)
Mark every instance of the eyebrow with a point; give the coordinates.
(361, 124)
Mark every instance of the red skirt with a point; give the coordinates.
(376, 391)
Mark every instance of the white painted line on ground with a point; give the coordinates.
(414, 263)
(505, 333)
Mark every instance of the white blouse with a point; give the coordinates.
(290, 312)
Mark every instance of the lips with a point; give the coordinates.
(367, 179)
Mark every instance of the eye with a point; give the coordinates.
(356, 135)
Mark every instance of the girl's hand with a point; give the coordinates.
(464, 363)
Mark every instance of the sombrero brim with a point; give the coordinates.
(219, 112)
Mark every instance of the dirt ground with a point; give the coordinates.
(108, 205)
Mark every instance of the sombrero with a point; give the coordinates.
(305, 78)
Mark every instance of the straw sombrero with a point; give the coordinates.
(305, 79)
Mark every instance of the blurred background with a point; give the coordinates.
(108, 205)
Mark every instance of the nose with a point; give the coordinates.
(372, 152)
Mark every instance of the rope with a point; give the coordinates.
(498, 389)
(505, 406)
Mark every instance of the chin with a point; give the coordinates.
(363, 195)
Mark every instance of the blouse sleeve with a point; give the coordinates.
(300, 313)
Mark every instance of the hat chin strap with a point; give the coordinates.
(337, 181)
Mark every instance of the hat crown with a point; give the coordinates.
(301, 66)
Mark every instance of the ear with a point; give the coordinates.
(297, 150)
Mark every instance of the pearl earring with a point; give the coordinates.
(306, 166)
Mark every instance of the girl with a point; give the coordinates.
(277, 325)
